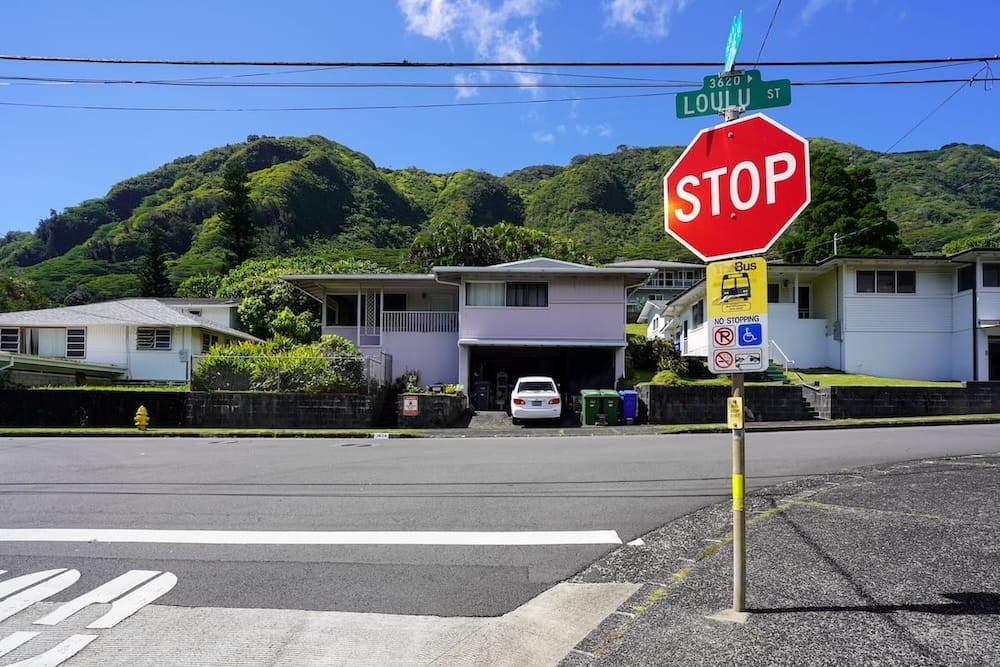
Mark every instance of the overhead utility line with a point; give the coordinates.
(407, 63)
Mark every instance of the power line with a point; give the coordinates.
(482, 64)
(205, 83)
(984, 68)
(767, 33)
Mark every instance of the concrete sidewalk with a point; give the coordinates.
(896, 565)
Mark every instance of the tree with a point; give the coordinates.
(455, 244)
(263, 295)
(153, 273)
(18, 294)
(237, 227)
(845, 203)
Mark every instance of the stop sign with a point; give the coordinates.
(736, 188)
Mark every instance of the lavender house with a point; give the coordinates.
(485, 326)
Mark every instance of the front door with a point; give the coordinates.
(994, 354)
(804, 302)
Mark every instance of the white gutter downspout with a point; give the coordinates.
(463, 373)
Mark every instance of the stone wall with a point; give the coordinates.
(434, 410)
(72, 408)
(69, 407)
(706, 404)
(275, 410)
(860, 402)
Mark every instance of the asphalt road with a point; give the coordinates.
(563, 495)
(630, 485)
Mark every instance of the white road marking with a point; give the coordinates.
(294, 537)
(136, 600)
(59, 653)
(637, 543)
(15, 639)
(24, 599)
(101, 595)
(25, 580)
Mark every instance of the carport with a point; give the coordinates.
(494, 368)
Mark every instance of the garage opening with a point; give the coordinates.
(494, 370)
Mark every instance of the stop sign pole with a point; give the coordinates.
(766, 191)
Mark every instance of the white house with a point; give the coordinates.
(668, 280)
(485, 326)
(931, 318)
(142, 340)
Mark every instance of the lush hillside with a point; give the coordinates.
(311, 193)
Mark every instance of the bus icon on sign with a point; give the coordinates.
(735, 286)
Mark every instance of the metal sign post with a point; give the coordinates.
(699, 215)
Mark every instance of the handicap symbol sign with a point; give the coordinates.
(749, 334)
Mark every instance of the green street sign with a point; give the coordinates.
(745, 91)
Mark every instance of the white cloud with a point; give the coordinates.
(600, 129)
(812, 8)
(648, 18)
(543, 137)
(503, 31)
(430, 18)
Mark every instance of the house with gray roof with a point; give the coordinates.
(137, 340)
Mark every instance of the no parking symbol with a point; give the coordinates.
(724, 336)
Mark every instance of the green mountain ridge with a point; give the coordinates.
(311, 192)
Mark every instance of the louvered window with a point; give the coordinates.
(148, 338)
(76, 343)
(10, 340)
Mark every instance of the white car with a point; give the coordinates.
(535, 397)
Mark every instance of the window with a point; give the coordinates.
(698, 314)
(513, 295)
(341, 310)
(148, 338)
(772, 293)
(528, 295)
(887, 282)
(207, 341)
(484, 294)
(76, 343)
(10, 340)
(966, 277)
(394, 302)
(991, 275)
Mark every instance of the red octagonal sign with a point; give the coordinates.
(736, 188)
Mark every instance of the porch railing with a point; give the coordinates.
(419, 321)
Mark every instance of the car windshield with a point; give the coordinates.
(536, 386)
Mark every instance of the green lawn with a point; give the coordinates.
(830, 378)
(635, 329)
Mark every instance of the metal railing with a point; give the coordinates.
(420, 321)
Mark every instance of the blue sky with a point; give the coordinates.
(57, 154)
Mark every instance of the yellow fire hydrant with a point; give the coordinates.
(141, 418)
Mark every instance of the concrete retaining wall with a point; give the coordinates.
(706, 404)
(861, 402)
(58, 407)
(433, 410)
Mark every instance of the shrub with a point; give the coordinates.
(331, 365)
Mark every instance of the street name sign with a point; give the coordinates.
(744, 91)
(736, 188)
(736, 307)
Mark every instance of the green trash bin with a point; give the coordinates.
(610, 405)
(590, 405)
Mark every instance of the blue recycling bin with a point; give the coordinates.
(630, 405)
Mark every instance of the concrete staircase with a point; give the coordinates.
(775, 373)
